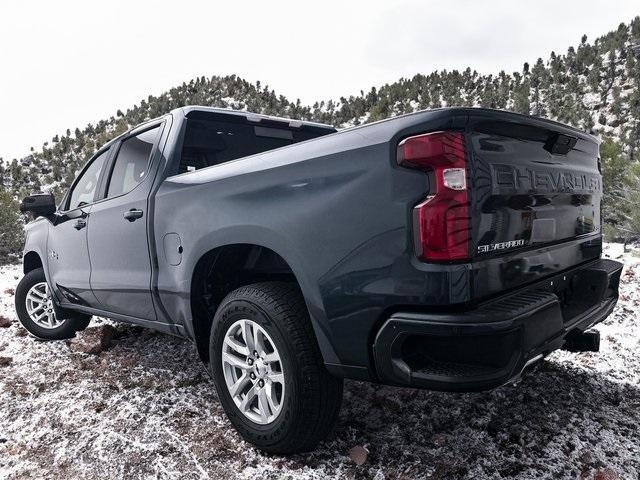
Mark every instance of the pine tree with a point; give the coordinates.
(629, 228)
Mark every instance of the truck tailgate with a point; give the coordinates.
(535, 201)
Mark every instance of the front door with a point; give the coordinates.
(68, 255)
(118, 244)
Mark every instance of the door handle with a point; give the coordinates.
(80, 224)
(133, 214)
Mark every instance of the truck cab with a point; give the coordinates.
(101, 252)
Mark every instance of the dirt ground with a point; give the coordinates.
(145, 408)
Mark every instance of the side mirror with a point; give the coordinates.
(40, 204)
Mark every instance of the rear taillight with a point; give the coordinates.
(441, 221)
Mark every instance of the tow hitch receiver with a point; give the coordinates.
(582, 341)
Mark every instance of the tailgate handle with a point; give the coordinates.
(560, 144)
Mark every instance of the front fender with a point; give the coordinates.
(36, 237)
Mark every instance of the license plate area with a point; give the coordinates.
(580, 290)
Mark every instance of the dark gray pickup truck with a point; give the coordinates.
(446, 249)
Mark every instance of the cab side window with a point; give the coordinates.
(84, 190)
(132, 163)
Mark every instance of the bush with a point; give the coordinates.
(615, 167)
(11, 228)
(630, 225)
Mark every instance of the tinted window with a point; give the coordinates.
(132, 162)
(84, 190)
(211, 142)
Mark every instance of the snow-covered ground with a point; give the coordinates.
(146, 408)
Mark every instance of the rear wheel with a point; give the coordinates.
(34, 307)
(268, 369)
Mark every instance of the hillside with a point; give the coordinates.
(594, 86)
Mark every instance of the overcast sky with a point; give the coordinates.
(64, 64)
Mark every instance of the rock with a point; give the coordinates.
(358, 454)
(605, 474)
(5, 322)
(5, 361)
(21, 332)
(9, 291)
(93, 340)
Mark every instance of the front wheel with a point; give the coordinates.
(268, 369)
(34, 307)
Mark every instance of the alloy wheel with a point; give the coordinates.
(40, 306)
(253, 371)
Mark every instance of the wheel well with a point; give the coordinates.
(222, 270)
(31, 261)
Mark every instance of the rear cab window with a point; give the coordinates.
(132, 162)
(213, 138)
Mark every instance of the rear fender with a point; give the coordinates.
(263, 237)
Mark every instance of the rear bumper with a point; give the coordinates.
(490, 345)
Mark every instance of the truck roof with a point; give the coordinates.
(249, 116)
(406, 118)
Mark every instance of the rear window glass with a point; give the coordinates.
(132, 162)
(209, 142)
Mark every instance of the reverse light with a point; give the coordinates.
(441, 221)
(454, 178)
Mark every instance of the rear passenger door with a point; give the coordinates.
(118, 236)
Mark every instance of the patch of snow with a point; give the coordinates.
(147, 408)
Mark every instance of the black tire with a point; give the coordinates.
(67, 329)
(312, 401)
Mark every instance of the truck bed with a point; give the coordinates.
(338, 209)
